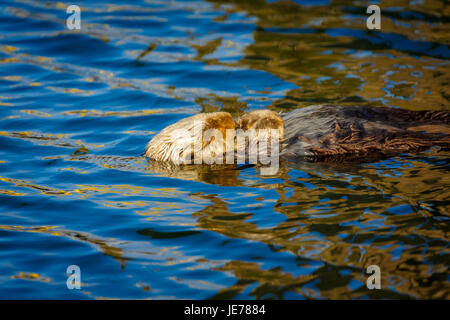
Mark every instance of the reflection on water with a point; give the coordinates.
(78, 107)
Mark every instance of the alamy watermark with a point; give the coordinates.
(74, 20)
(74, 277)
(374, 281)
(374, 21)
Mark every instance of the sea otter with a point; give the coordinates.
(314, 133)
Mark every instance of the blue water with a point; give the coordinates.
(77, 108)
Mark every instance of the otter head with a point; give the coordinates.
(207, 137)
(202, 138)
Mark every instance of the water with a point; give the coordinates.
(78, 107)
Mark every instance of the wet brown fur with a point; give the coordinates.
(325, 132)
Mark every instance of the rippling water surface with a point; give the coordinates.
(78, 107)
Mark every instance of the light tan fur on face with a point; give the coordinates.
(173, 141)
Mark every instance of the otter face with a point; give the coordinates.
(202, 138)
(208, 137)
